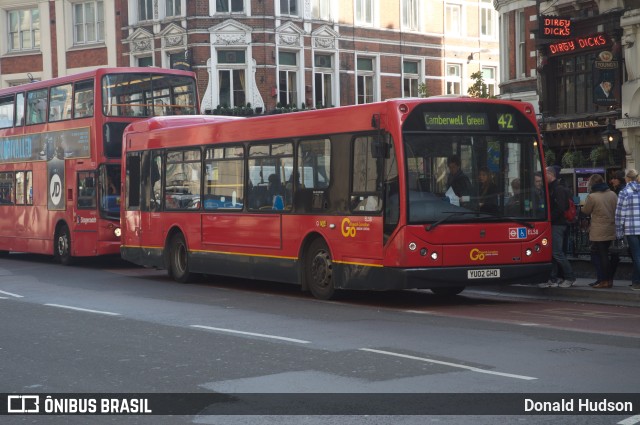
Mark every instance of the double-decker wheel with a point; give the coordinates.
(62, 245)
(179, 259)
(319, 270)
(450, 291)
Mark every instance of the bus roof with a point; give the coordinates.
(296, 124)
(91, 74)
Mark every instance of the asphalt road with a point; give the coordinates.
(106, 327)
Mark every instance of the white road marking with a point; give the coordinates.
(630, 421)
(460, 366)
(11, 294)
(233, 331)
(86, 310)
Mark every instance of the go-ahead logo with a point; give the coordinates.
(476, 255)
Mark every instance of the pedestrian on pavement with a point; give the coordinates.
(617, 181)
(559, 202)
(601, 205)
(628, 222)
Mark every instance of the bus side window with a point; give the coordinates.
(37, 105)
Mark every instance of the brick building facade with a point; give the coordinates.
(318, 53)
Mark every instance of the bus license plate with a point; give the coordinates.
(483, 274)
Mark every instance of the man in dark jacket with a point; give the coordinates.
(559, 203)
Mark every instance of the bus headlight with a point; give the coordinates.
(117, 232)
(434, 255)
(528, 252)
(545, 242)
(412, 246)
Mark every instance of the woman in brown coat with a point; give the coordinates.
(601, 205)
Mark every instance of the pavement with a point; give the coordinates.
(619, 294)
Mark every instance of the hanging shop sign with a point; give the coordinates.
(605, 82)
(554, 27)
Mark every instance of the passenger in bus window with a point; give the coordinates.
(457, 182)
(514, 205)
(487, 191)
(275, 192)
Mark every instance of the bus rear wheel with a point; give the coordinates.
(62, 246)
(319, 270)
(450, 291)
(179, 259)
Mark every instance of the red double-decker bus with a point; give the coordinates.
(437, 193)
(60, 155)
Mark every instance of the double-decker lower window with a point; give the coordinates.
(6, 188)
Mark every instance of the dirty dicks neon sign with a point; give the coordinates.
(579, 43)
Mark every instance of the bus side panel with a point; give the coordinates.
(242, 230)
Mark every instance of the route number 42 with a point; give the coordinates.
(506, 122)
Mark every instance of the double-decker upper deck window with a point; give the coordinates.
(60, 103)
(83, 99)
(6, 111)
(37, 105)
(24, 29)
(144, 95)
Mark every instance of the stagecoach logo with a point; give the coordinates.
(349, 228)
(476, 255)
(85, 220)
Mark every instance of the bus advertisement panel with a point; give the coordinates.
(60, 155)
(437, 193)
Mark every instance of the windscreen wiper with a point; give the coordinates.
(430, 227)
(486, 215)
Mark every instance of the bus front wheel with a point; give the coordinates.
(62, 248)
(319, 270)
(179, 259)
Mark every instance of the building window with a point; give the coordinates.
(289, 7)
(574, 79)
(144, 61)
(410, 78)
(489, 78)
(24, 29)
(145, 10)
(364, 12)
(227, 6)
(521, 37)
(454, 79)
(453, 19)
(231, 78)
(321, 9)
(288, 78)
(487, 19)
(410, 14)
(88, 22)
(365, 81)
(323, 80)
(173, 7)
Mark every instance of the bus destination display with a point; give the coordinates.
(467, 121)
